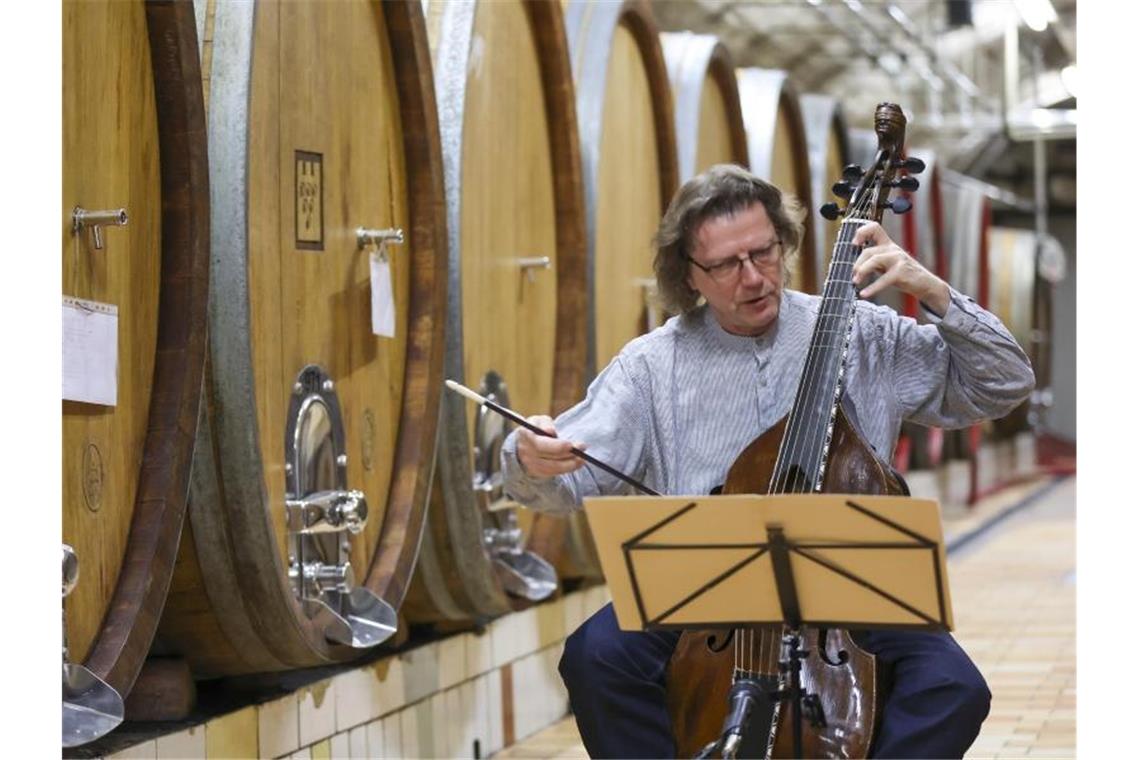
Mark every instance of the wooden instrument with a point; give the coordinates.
(814, 448)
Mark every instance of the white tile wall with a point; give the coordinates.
(358, 743)
(277, 727)
(436, 700)
(513, 636)
(573, 611)
(392, 689)
(394, 726)
(954, 478)
(452, 661)
(147, 750)
(421, 672)
(187, 744)
(317, 712)
(338, 746)
(478, 653)
(409, 735)
(539, 697)
(1026, 448)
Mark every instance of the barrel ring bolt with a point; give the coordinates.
(97, 220)
(530, 264)
(377, 240)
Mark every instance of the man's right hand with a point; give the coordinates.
(543, 457)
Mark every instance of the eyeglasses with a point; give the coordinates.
(730, 268)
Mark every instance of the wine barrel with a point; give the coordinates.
(516, 311)
(778, 152)
(706, 103)
(828, 154)
(629, 172)
(1014, 294)
(965, 235)
(323, 143)
(134, 139)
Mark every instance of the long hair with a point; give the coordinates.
(722, 190)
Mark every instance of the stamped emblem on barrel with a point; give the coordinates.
(309, 212)
(93, 477)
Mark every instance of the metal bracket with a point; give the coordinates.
(377, 240)
(91, 707)
(528, 265)
(97, 220)
(319, 511)
(522, 573)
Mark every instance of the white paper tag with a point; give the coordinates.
(90, 351)
(383, 307)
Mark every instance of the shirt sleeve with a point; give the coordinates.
(611, 422)
(960, 368)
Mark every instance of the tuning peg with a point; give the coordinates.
(830, 211)
(842, 189)
(852, 172)
(898, 205)
(911, 165)
(910, 184)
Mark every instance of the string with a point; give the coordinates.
(798, 438)
(839, 288)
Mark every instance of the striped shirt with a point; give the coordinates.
(677, 406)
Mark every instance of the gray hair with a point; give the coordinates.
(722, 190)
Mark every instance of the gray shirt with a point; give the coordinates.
(677, 406)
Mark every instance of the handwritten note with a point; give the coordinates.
(90, 351)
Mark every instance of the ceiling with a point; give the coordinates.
(943, 61)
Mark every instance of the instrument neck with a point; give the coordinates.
(803, 452)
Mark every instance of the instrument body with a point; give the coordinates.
(815, 448)
(850, 693)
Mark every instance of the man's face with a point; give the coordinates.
(745, 298)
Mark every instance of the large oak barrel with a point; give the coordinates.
(323, 141)
(629, 171)
(966, 220)
(517, 304)
(706, 103)
(1014, 295)
(778, 152)
(134, 138)
(828, 154)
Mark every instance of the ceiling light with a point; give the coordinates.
(1037, 14)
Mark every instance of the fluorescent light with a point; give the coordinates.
(1069, 79)
(1037, 14)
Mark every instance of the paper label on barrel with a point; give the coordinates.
(90, 351)
(383, 307)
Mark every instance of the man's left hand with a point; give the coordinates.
(896, 267)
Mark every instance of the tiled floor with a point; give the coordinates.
(1014, 596)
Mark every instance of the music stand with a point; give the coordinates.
(787, 560)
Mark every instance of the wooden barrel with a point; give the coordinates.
(134, 137)
(629, 164)
(706, 103)
(517, 304)
(828, 154)
(629, 172)
(778, 152)
(965, 234)
(1014, 294)
(322, 127)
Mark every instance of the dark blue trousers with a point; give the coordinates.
(616, 679)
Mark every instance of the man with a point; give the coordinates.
(676, 407)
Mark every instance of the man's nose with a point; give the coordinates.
(750, 273)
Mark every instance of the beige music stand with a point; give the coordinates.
(842, 561)
(783, 561)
